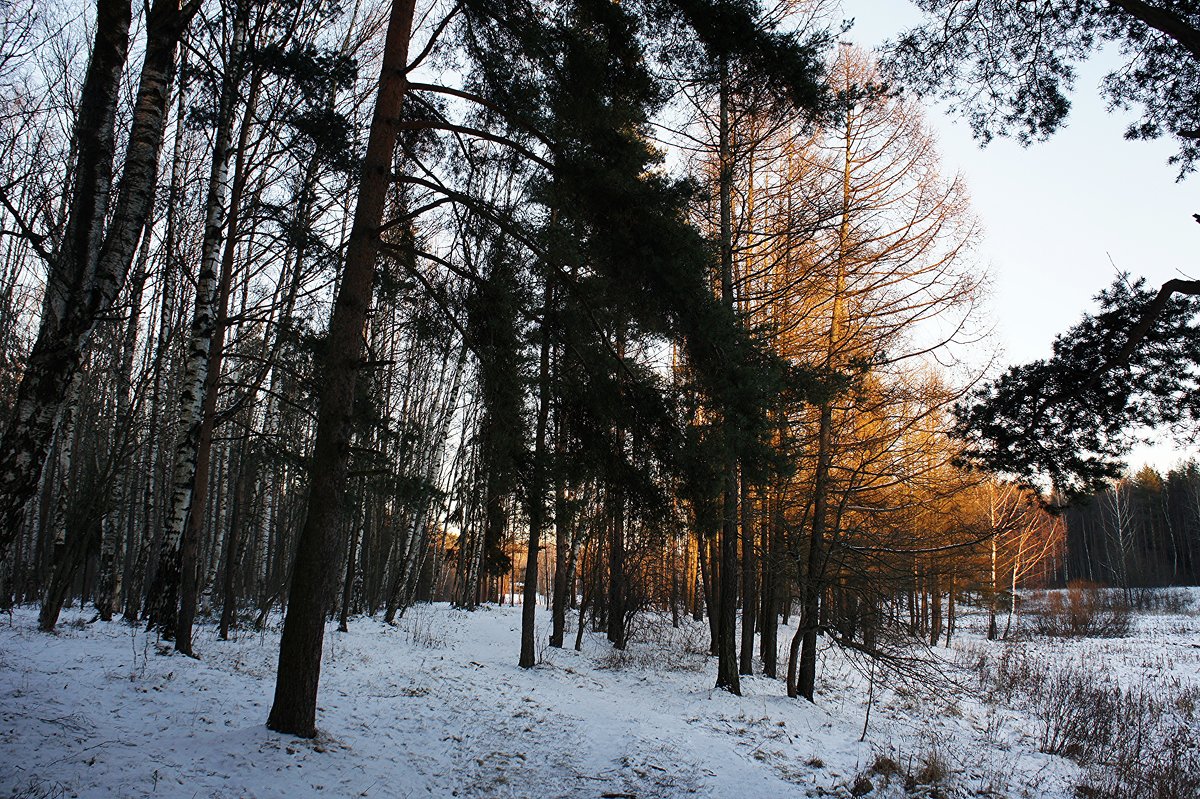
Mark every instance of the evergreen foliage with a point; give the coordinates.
(1011, 65)
(1069, 420)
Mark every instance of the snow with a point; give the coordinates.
(436, 706)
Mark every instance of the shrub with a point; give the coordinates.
(661, 646)
(1137, 743)
(1171, 601)
(422, 629)
(1082, 611)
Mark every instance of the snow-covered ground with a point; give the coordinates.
(437, 707)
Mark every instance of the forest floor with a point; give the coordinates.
(436, 706)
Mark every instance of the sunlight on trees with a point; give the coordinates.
(315, 310)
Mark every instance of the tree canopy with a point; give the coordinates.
(1010, 65)
(1067, 421)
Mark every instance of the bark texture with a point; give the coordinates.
(89, 268)
(294, 709)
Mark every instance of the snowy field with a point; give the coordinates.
(436, 706)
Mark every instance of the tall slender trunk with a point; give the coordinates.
(951, 609)
(66, 321)
(64, 548)
(772, 551)
(935, 608)
(588, 590)
(810, 609)
(992, 630)
(84, 282)
(727, 654)
(176, 571)
(814, 580)
(562, 537)
(348, 582)
(709, 573)
(156, 460)
(188, 586)
(295, 705)
(1012, 592)
(537, 489)
(615, 517)
(234, 539)
(112, 526)
(749, 582)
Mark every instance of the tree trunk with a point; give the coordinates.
(234, 538)
(935, 606)
(295, 705)
(113, 525)
(772, 551)
(63, 560)
(814, 575)
(951, 610)
(727, 660)
(85, 278)
(348, 582)
(995, 586)
(616, 567)
(749, 583)
(709, 576)
(537, 490)
(562, 542)
(176, 571)
(66, 322)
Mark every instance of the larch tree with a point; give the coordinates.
(869, 251)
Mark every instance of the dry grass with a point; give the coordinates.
(1136, 742)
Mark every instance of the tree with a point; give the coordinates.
(870, 246)
(1065, 422)
(294, 708)
(730, 81)
(90, 262)
(176, 568)
(1009, 65)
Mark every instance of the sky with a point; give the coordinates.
(1062, 217)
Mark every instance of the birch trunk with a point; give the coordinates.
(65, 323)
(86, 275)
(63, 559)
(177, 556)
(113, 525)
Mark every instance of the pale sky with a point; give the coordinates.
(1061, 217)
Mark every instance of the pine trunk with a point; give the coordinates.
(537, 490)
(295, 705)
(749, 583)
(727, 654)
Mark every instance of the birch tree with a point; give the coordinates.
(88, 266)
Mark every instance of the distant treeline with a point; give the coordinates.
(1143, 531)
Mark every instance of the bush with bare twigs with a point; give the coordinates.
(1082, 611)
(1137, 742)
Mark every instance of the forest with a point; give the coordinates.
(632, 317)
